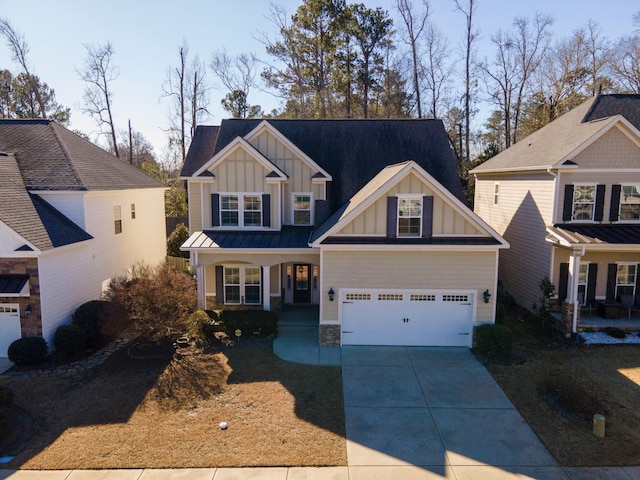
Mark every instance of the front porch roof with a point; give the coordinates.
(380, 240)
(590, 235)
(287, 238)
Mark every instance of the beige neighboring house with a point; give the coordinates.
(72, 216)
(567, 199)
(363, 218)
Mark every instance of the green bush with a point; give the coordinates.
(176, 239)
(101, 321)
(5, 421)
(615, 332)
(70, 340)
(200, 326)
(495, 340)
(6, 396)
(249, 321)
(28, 351)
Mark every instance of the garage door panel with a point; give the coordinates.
(411, 318)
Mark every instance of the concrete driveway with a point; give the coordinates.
(437, 409)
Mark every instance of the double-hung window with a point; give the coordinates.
(583, 278)
(630, 202)
(302, 209)
(242, 285)
(496, 193)
(117, 219)
(409, 216)
(584, 200)
(241, 210)
(626, 279)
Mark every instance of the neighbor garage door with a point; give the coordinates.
(407, 317)
(9, 326)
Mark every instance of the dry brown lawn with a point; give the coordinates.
(558, 388)
(166, 413)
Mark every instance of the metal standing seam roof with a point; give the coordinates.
(287, 238)
(12, 284)
(597, 234)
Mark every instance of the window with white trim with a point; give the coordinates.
(117, 219)
(630, 202)
(496, 193)
(242, 285)
(626, 279)
(133, 211)
(252, 210)
(245, 208)
(229, 210)
(409, 216)
(583, 278)
(584, 200)
(302, 209)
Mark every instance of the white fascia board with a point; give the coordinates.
(239, 142)
(392, 248)
(265, 125)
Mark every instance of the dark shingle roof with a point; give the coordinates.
(31, 217)
(621, 104)
(352, 151)
(288, 237)
(50, 157)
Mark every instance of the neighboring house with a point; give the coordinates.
(72, 217)
(567, 199)
(364, 218)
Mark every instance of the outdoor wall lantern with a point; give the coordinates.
(486, 296)
(331, 294)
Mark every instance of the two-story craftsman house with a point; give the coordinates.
(364, 218)
(567, 199)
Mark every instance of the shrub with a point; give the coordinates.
(200, 326)
(176, 239)
(5, 421)
(101, 321)
(28, 351)
(495, 340)
(157, 299)
(70, 340)
(6, 396)
(249, 321)
(615, 332)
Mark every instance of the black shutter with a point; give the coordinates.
(219, 284)
(612, 272)
(592, 279)
(614, 209)
(266, 210)
(392, 217)
(427, 217)
(637, 284)
(215, 210)
(567, 209)
(562, 282)
(599, 213)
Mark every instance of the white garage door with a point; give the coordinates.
(9, 326)
(407, 317)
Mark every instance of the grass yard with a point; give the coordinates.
(165, 413)
(558, 388)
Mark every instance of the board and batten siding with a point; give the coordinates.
(438, 270)
(446, 220)
(524, 209)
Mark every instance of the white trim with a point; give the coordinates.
(626, 220)
(35, 249)
(202, 204)
(595, 199)
(265, 125)
(393, 248)
(242, 285)
(496, 194)
(241, 211)
(239, 142)
(311, 209)
(411, 196)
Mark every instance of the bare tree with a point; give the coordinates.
(468, 9)
(437, 70)
(99, 73)
(19, 48)
(198, 94)
(414, 22)
(626, 65)
(238, 75)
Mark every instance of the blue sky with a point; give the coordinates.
(146, 36)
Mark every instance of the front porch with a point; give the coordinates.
(593, 320)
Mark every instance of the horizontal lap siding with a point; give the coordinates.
(524, 210)
(409, 270)
(195, 206)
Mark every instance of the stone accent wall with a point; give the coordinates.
(565, 324)
(276, 304)
(329, 335)
(30, 322)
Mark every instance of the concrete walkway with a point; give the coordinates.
(411, 413)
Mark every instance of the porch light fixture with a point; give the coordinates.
(331, 294)
(486, 296)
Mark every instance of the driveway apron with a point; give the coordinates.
(433, 407)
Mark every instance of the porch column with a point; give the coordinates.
(266, 287)
(202, 302)
(572, 291)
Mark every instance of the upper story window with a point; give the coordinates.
(409, 216)
(302, 209)
(252, 207)
(584, 200)
(496, 193)
(630, 202)
(240, 210)
(117, 218)
(133, 211)
(229, 210)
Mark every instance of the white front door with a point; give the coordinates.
(9, 326)
(407, 317)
